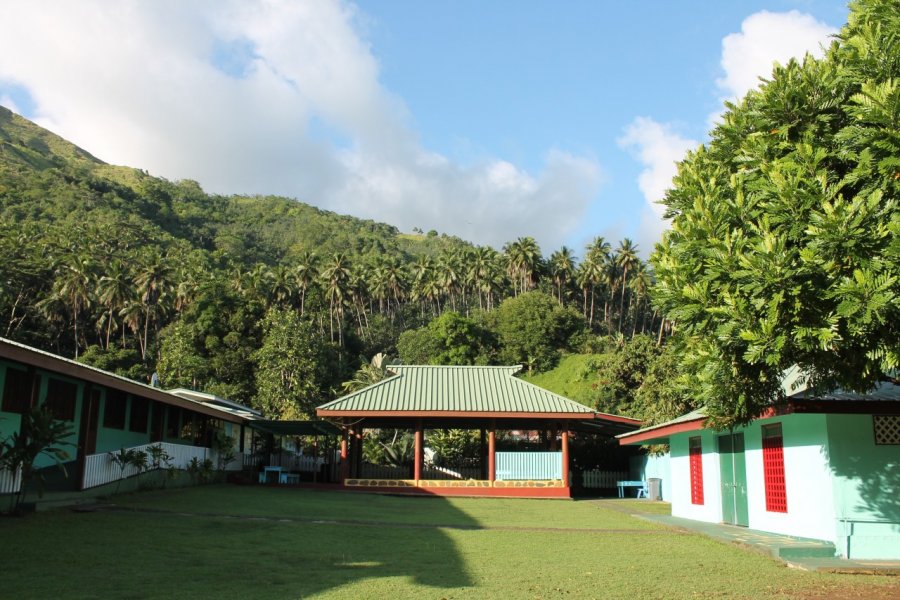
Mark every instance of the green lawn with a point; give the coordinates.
(254, 542)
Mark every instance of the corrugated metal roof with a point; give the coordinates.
(439, 389)
(52, 362)
(694, 415)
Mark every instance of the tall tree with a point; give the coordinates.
(784, 246)
(562, 267)
(626, 258)
(306, 273)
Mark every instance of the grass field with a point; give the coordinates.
(253, 542)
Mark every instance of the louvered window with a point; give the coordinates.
(696, 458)
(773, 468)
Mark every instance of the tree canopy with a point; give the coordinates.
(784, 246)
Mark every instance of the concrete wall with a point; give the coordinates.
(680, 475)
(866, 489)
(646, 466)
(810, 513)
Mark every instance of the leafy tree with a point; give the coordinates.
(289, 371)
(784, 241)
(533, 328)
(451, 339)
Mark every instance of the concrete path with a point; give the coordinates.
(801, 553)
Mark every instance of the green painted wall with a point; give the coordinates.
(70, 443)
(111, 440)
(807, 478)
(9, 422)
(866, 489)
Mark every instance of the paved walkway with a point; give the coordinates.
(801, 553)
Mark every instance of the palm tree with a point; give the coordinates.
(450, 273)
(281, 284)
(306, 272)
(626, 257)
(114, 290)
(641, 281)
(562, 267)
(335, 276)
(153, 281)
(74, 285)
(423, 273)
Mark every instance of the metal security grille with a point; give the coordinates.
(887, 429)
(773, 467)
(696, 457)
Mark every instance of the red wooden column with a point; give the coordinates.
(417, 471)
(357, 451)
(565, 455)
(345, 464)
(492, 452)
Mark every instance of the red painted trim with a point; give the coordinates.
(417, 472)
(345, 466)
(492, 455)
(661, 432)
(565, 456)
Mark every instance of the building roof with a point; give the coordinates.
(466, 391)
(218, 402)
(795, 386)
(659, 434)
(800, 398)
(46, 361)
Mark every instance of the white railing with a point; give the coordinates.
(100, 469)
(10, 482)
(602, 479)
(296, 462)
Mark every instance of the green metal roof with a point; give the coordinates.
(695, 415)
(442, 389)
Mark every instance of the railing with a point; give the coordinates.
(529, 465)
(459, 473)
(100, 469)
(602, 479)
(10, 482)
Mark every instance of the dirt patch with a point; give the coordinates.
(850, 592)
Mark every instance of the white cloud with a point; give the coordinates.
(766, 38)
(658, 148)
(141, 84)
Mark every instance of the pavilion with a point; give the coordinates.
(487, 399)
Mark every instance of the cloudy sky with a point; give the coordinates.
(487, 120)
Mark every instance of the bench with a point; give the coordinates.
(289, 478)
(264, 474)
(641, 485)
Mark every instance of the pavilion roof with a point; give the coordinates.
(465, 391)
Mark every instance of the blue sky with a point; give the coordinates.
(488, 120)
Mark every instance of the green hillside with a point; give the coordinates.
(574, 377)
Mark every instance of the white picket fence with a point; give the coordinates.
(100, 469)
(602, 479)
(10, 482)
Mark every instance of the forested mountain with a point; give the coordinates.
(267, 300)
